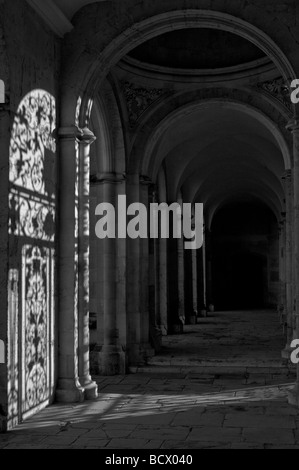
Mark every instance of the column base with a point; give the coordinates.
(293, 396)
(3, 424)
(139, 354)
(111, 361)
(176, 329)
(90, 388)
(164, 330)
(69, 391)
(156, 338)
(286, 352)
(147, 351)
(192, 320)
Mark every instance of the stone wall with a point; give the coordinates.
(29, 184)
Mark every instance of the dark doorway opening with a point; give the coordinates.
(244, 257)
(239, 281)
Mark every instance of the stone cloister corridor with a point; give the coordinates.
(208, 389)
(149, 224)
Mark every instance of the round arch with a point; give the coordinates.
(150, 168)
(109, 148)
(265, 198)
(88, 83)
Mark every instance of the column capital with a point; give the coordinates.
(153, 192)
(69, 133)
(87, 137)
(293, 125)
(112, 178)
(282, 222)
(4, 108)
(145, 180)
(287, 175)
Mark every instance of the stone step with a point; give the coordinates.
(217, 369)
(157, 362)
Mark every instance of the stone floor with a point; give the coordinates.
(220, 385)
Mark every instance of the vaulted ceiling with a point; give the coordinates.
(200, 48)
(220, 154)
(213, 155)
(70, 7)
(59, 13)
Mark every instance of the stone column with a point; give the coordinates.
(90, 387)
(146, 349)
(175, 284)
(112, 358)
(162, 281)
(188, 286)
(69, 389)
(289, 303)
(133, 282)
(208, 269)
(163, 261)
(9, 394)
(154, 286)
(204, 264)
(96, 274)
(201, 297)
(282, 265)
(181, 281)
(294, 128)
(194, 282)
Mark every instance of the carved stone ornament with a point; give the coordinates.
(279, 89)
(139, 100)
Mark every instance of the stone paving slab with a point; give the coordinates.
(223, 405)
(210, 434)
(249, 424)
(269, 436)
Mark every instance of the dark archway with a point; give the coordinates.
(240, 281)
(244, 257)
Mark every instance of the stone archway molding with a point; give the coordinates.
(163, 23)
(150, 167)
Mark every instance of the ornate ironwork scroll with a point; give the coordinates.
(32, 207)
(13, 353)
(36, 325)
(32, 151)
(30, 140)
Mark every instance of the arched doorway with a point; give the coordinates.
(245, 257)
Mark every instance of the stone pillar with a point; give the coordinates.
(208, 269)
(181, 281)
(96, 274)
(201, 296)
(154, 286)
(90, 387)
(139, 348)
(69, 389)
(111, 360)
(162, 281)
(175, 283)
(194, 282)
(188, 286)
(204, 263)
(289, 303)
(282, 266)
(147, 350)
(294, 128)
(133, 282)
(9, 394)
